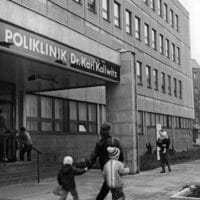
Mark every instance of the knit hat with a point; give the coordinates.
(68, 160)
(105, 129)
(113, 152)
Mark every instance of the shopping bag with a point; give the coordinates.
(58, 191)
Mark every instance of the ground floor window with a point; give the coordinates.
(50, 114)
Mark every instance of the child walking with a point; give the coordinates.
(66, 178)
(112, 173)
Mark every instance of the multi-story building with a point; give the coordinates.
(138, 51)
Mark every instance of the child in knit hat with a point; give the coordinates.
(112, 173)
(66, 178)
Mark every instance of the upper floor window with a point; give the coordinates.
(176, 23)
(137, 28)
(146, 1)
(128, 22)
(178, 59)
(116, 14)
(161, 44)
(171, 18)
(91, 5)
(105, 9)
(155, 79)
(180, 89)
(146, 34)
(169, 85)
(152, 4)
(173, 52)
(148, 76)
(153, 36)
(175, 87)
(163, 82)
(160, 8)
(165, 12)
(139, 72)
(167, 48)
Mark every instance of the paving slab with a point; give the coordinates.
(148, 185)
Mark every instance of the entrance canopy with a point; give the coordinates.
(36, 63)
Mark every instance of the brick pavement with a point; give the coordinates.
(148, 185)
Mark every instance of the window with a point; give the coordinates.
(73, 115)
(165, 12)
(137, 28)
(178, 59)
(194, 75)
(155, 78)
(173, 52)
(153, 37)
(148, 76)
(176, 23)
(58, 112)
(175, 87)
(160, 8)
(163, 82)
(92, 117)
(105, 9)
(146, 34)
(169, 121)
(128, 22)
(161, 44)
(116, 14)
(91, 5)
(152, 4)
(148, 119)
(171, 18)
(180, 89)
(153, 119)
(139, 72)
(169, 84)
(140, 122)
(167, 48)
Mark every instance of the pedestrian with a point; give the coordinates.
(101, 153)
(163, 142)
(25, 143)
(113, 171)
(66, 178)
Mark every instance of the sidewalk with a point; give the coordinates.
(149, 185)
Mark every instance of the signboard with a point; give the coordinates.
(158, 128)
(29, 43)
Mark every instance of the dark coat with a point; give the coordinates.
(66, 175)
(101, 152)
(164, 145)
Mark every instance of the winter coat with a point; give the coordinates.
(112, 173)
(66, 175)
(163, 144)
(101, 152)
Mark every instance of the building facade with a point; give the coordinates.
(124, 61)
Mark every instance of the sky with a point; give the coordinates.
(193, 7)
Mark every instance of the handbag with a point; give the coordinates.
(58, 191)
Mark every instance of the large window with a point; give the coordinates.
(139, 72)
(161, 44)
(176, 23)
(152, 4)
(137, 28)
(128, 22)
(105, 9)
(146, 34)
(91, 5)
(173, 52)
(165, 12)
(140, 122)
(175, 87)
(167, 48)
(178, 58)
(153, 37)
(155, 79)
(116, 14)
(169, 84)
(148, 76)
(180, 88)
(171, 15)
(160, 7)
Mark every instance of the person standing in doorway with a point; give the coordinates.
(25, 142)
(102, 154)
(164, 142)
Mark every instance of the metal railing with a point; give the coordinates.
(8, 147)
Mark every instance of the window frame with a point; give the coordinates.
(128, 16)
(155, 77)
(139, 72)
(146, 34)
(137, 28)
(117, 14)
(92, 5)
(105, 10)
(161, 43)
(154, 39)
(163, 84)
(148, 76)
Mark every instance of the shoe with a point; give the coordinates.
(162, 171)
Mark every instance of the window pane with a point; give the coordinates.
(137, 27)
(58, 126)
(128, 21)
(58, 109)
(139, 72)
(82, 111)
(116, 14)
(73, 110)
(140, 122)
(91, 5)
(31, 106)
(46, 126)
(92, 112)
(105, 9)
(46, 107)
(32, 125)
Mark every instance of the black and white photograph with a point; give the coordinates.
(99, 100)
